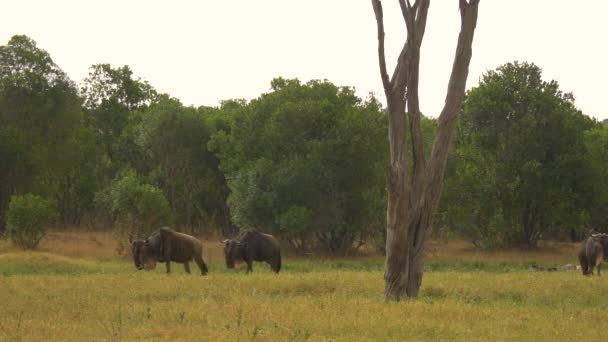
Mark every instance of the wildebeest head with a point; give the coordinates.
(602, 239)
(232, 251)
(143, 256)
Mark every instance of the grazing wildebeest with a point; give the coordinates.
(593, 251)
(166, 245)
(253, 246)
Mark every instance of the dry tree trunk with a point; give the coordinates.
(413, 196)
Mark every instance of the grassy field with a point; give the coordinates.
(75, 290)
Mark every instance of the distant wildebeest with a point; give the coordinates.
(593, 251)
(253, 246)
(166, 245)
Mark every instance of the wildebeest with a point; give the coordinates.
(253, 246)
(166, 245)
(593, 251)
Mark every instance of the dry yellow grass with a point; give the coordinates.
(340, 306)
(97, 245)
(85, 293)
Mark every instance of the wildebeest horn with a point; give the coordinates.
(225, 241)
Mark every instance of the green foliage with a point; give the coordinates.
(470, 203)
(596, 142)
(305, 161)
(111, 96)
(519, 173)
(28, 216)
(175, 140)
(295, 220)
(40, 120)
(139, 208)
(76, 185)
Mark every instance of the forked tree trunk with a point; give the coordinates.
(413, 196)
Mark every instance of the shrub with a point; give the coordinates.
(139, 208)
(28, 216)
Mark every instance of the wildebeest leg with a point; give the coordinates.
(201, 265)
(187, 267)
(249, 263)
(583, 263)
(272, 262)
(168, 264)
(599, 266)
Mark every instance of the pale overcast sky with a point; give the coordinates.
(206, 51)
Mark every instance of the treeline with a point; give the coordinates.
(526, 164)
(304, 161)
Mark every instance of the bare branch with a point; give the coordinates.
(415, 7)
(401, 72)
(413, 102)
(421, 15)
(405, 6)
(408, 15)
(381, 57)
(462, 5)
(454, 96)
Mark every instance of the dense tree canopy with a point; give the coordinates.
(111, 95)
(520, 170)
(305, 161)
(174, 140)
(41, 122)
(596, 142)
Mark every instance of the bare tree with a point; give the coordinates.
(414, 191)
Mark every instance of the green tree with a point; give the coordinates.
(28, 216)
(175, 140)
(596, 141)
(77, 183)
(114, 100)
(111, 95)
(521, 167)
(305, 161)
(470, 205)
(139, 208)
(40, 117)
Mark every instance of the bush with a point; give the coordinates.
(28, 216)
(139, 208)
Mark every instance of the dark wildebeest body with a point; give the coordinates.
(593, 251)
(253, 246)
(167, 245)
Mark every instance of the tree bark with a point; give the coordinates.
(413, 193)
